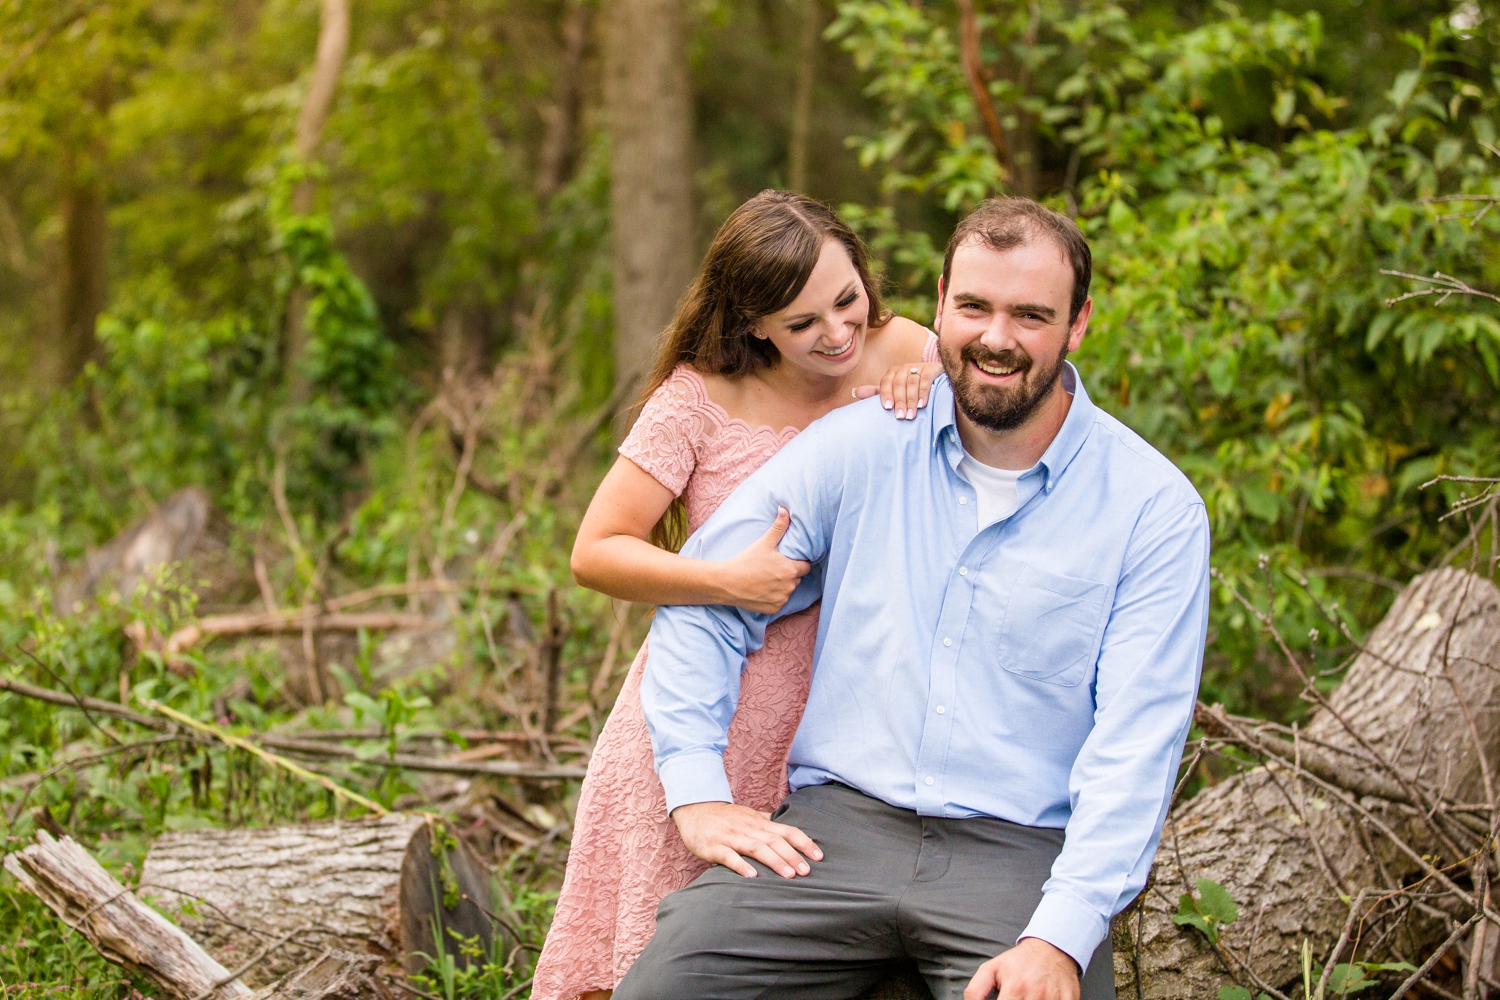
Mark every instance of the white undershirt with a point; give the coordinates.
(995, 490)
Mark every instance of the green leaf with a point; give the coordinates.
(1348, 978)
(1285, 107)
(1401, 90)
(1214, 900)
(1188, 915)
(1234, 993)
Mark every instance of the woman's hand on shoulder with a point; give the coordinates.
(903, 389)
(760, 578)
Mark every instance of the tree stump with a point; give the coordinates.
(373, 886)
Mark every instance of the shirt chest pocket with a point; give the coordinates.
(1050, 629)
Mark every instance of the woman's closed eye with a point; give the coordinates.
(847, 300)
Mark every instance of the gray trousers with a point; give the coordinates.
(945, 894)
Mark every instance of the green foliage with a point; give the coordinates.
(1240, 322)
(1240, 993)
(1210, 911)
(42, 958)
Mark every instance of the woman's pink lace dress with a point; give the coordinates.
(626, 853)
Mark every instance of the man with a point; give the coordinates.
(1015, 592)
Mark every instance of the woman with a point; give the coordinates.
(782, 325)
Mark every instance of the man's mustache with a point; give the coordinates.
(1012, 358)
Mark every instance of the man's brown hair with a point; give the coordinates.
(1006, 223)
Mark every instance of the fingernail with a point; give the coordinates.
(817, 855)
(803, 869)
(921, 403)
(888, 405)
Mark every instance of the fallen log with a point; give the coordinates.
(375, 885)
(1375, 795)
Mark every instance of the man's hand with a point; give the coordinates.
(720, 832)
(1032, 970)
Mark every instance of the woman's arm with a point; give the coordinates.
(613, 553)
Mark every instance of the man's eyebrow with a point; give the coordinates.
(1046, 312)
(970, 299)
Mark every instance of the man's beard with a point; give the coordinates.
(990, 406)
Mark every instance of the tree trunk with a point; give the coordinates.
(1287, 840)
(333, 45)
(560, 141)
(85, 264)
(650, 109)
(802, 101)
(365, 886)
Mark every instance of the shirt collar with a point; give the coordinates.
(1064, 447)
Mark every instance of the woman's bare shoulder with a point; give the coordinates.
(900, 340)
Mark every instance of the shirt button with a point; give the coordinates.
(929, 779)
(963, 571)
(947, 642)
(963, 500)
(941, 710)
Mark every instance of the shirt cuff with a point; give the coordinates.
(694, 777)
(1069, 925)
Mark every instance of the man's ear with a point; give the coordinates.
(937, 319)
(1080, 325)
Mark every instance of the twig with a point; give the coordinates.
(268, 757)
(1445, 285)
(76, 698)
(1432, 959)
(266, 950)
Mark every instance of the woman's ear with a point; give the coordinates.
(756, 331)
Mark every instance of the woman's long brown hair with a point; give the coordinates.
(757, 265)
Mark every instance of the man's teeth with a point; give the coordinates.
(994, 369)
(835, 353)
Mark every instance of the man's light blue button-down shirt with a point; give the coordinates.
(1040, 669)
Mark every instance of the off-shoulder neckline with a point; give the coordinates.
(722, 416)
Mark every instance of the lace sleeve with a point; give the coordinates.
(930, 350)
(663, 440)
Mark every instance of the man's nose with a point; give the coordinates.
(999, 335)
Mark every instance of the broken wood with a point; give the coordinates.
(1367, 797)
(374, 885)
(131, 934)
(124, 930)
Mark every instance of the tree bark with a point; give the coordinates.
(560, 141)
(1287, 841)
(85, 264)
(802, 101)
(365, 886)
(649, 104)
(333, 45)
